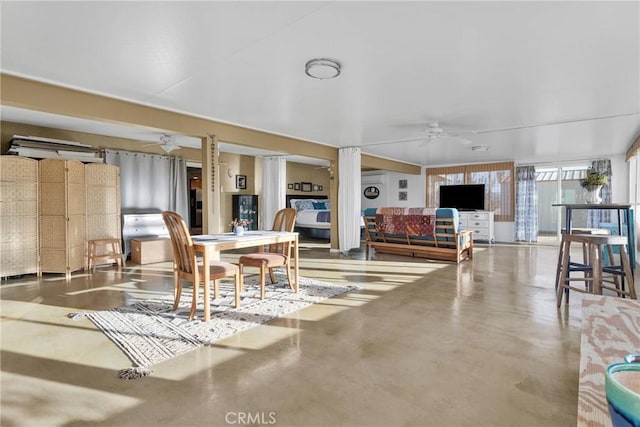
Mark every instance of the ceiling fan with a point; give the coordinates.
(432, 133)
(167, 143)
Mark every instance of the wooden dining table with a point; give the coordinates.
(210, 246)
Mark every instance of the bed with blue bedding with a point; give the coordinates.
(314, 215)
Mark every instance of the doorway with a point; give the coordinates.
(558, 184)
(194, 178)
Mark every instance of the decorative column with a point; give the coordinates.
(211, 211)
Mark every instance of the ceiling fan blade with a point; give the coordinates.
(459, 139)
(395, 141)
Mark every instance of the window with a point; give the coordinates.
(497, 178)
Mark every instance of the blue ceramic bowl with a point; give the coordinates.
(624, 403)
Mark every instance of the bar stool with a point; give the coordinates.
(111, 251)
(585, 254)
(593, 265)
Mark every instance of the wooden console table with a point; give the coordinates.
(610, 331)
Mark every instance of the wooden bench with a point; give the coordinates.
(447, 243)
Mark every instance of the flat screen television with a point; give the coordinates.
(462, 197)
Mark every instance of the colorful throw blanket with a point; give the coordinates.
(409, 221)
(324, 216)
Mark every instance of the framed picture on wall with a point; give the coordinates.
(290, 186)
(319, 187)
(402, 195)
(402, 183)
(306, 186)
(241, 182)
(316, 187)
(296, 186)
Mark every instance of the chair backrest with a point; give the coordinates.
(284, 220)
(183, 253)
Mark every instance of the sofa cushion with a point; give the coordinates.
(408, 221)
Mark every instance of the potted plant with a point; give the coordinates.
(593, 183)
(239, 225)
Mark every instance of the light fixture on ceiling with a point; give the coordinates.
(322, 68)
(168, 143)
(480, 148)
(434, 131)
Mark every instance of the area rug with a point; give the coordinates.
(149, 332)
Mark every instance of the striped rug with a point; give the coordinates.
(149, 332)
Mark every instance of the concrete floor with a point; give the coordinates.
(421, 344)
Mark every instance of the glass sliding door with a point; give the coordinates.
(558, 184)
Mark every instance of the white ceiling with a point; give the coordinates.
(565, 74)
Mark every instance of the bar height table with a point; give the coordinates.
(622, 211)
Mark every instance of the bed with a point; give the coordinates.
(314, 215)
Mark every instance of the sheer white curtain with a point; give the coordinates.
(274, 187)
(151, 182)
(349, 198)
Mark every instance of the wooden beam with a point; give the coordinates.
(369, 162)
(34, 95)
(634, 149)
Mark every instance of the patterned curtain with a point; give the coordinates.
(526, 226)
(596, 216)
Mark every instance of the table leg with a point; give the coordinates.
(620, 223)
(206, 279)
(630, 238)
(296, 265)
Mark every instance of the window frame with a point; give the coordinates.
(434, 178)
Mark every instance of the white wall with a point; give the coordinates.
(619, 180)
(388, 183)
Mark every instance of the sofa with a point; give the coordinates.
(432, 233)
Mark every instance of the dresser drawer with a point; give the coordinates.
(480, 234)
(478, 216)
(480, 222)
(476, 223)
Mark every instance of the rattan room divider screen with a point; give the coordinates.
(103, 202)
(50, 208)
(18, 216)
(63, 204)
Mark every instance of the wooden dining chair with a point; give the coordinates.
(186, 267)
(277, 255)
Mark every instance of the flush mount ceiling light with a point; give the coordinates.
(322, 69)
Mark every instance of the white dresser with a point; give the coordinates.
(481, 222)
(141, 224)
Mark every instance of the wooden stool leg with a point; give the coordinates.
(626, 267)
(92, 253)
(595, 255)
(565, 246)
(616, 281)
(559, 266)
(585, 260)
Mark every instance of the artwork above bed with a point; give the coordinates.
(314, 215)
